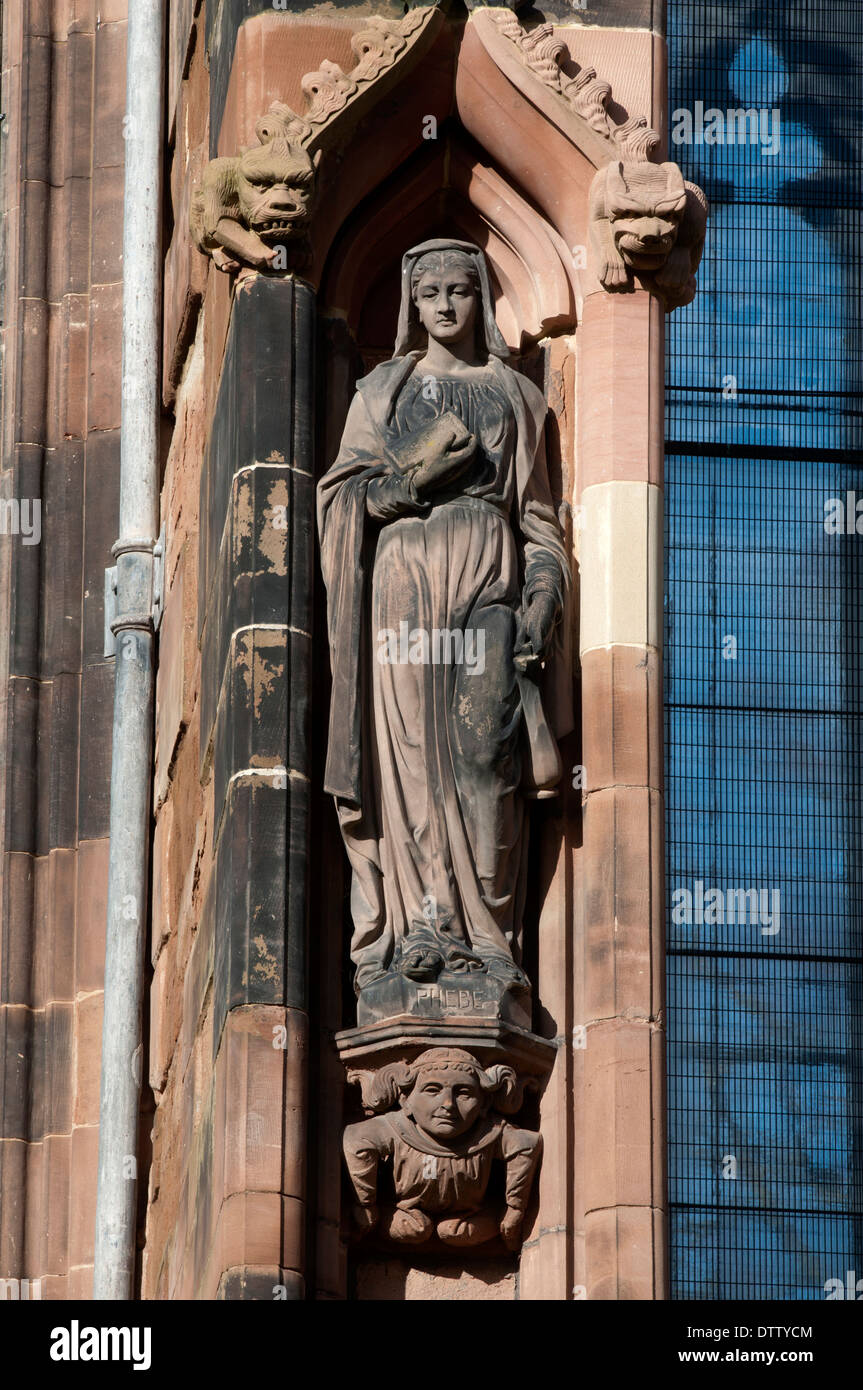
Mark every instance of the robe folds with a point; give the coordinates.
(430, 746)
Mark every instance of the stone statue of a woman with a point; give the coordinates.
(446, 575)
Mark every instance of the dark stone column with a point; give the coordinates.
(255, 600)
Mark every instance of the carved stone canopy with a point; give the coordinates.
(255, 209)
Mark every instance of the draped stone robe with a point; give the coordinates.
(425, 756)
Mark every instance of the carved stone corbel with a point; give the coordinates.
(440, 1123)
(254, 209)
(645, 218)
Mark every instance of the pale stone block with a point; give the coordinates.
(262, 1056)
(624, 1096)
(82, 1198)
(620, 562)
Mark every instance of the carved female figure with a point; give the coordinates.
(445, 573)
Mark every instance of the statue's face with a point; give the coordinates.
(445, 1104)
(447, 304)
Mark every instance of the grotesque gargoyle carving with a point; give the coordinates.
(252, 206)
(249, 205)
(442, 1131)
(647, 218)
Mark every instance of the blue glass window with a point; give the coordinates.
(764, 658)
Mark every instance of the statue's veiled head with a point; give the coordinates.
(446, 294)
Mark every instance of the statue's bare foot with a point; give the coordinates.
(409, 1227)
(467, 1230)
(460, 960)
(422, 964)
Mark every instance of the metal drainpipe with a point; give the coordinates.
(136, 596)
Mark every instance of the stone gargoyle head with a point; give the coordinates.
(275, 180)
(647, 219)
(645, 204)
(251, 203)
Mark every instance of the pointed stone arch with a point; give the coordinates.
(452, 187)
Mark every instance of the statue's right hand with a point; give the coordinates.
(393, 496)
(459, 447)
(366, 1218)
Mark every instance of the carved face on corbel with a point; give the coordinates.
(275, 189)
(445, 1104)
(645, 204)
(434, 1124)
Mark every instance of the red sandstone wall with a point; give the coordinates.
(217, 1216)
(182, 845)
(63, 81)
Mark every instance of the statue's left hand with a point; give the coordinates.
(510, 1228)
(535, 627)
(365, 1217)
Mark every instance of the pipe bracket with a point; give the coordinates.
(134, 589)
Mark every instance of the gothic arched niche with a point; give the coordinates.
(448, 189)
(489, 129)
(447, 186)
